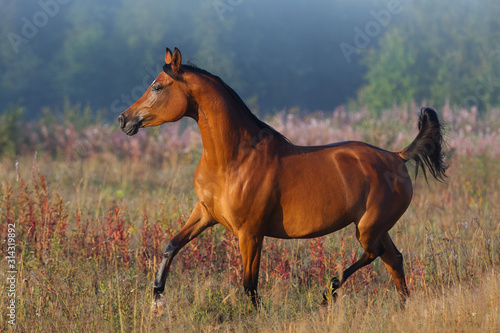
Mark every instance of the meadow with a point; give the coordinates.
(91, 211)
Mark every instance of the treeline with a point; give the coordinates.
(441, 50)
(315, 55)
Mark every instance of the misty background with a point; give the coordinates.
(314, 55)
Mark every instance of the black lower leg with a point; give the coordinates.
(252, 293)
(365, 259)
(161, 275)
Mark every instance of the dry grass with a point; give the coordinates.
(89, 232)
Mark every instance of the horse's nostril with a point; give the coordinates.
(121, 120)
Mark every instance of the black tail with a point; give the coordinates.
(426, 149)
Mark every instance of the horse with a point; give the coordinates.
(252, 180)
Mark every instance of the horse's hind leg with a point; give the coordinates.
(373, 249)
(393, 260)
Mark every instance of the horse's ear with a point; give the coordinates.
(176, 60)
(168, 56)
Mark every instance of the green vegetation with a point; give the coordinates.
(91, 226)
(10, 134)
(447, 50)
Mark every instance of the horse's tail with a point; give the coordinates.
(426, 149)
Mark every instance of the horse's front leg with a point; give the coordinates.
(250, 247)
(199, 220)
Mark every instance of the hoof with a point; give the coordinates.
(327, 297)
(256, 301)
(334, 285)
(158, 305)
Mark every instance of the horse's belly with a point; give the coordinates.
(306, 227)
(314, 213)
(317, 196)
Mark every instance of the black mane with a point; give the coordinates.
(262, 125)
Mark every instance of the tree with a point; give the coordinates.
(390, 73)
(439, 51)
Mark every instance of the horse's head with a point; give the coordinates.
(165, 100)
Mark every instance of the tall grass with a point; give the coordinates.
(91, 225)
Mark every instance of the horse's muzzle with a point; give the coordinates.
(129, 127)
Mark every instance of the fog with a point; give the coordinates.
(315, 55)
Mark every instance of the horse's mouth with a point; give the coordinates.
(132, 128)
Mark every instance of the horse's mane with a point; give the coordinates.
(193, 68)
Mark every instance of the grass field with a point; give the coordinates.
(93, 209)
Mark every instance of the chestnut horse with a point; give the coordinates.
(256, 183)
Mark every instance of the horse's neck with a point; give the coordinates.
(227, 131)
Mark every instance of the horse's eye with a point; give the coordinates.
(157, 87)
